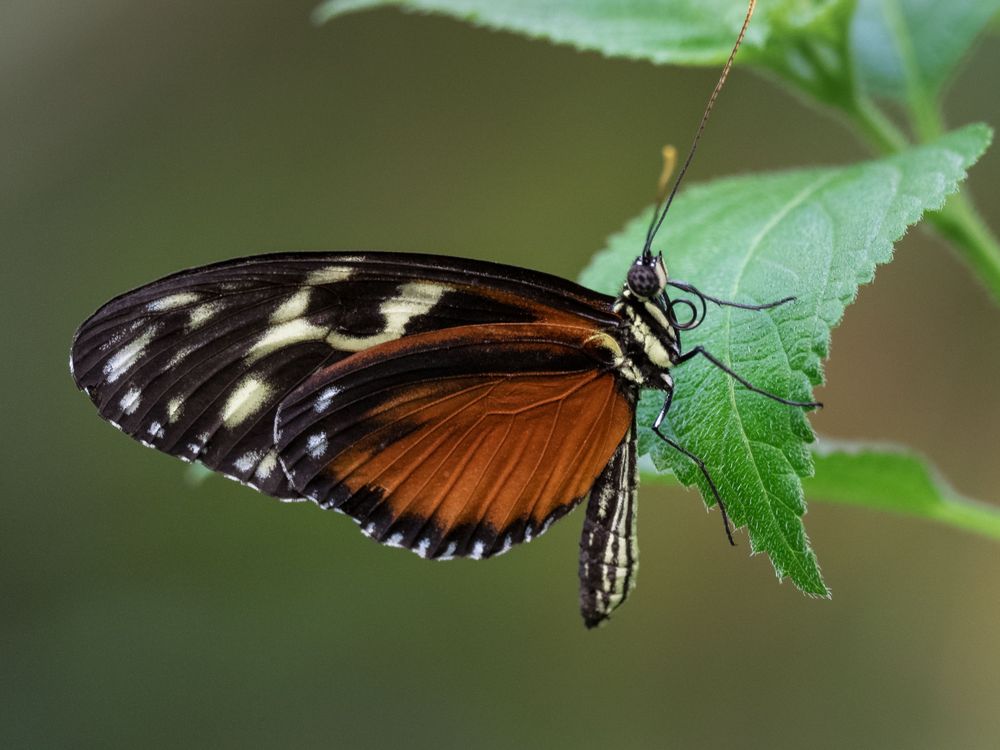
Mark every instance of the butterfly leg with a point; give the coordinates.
(741, 380)
(697, 461)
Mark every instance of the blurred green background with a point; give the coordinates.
(141, 610)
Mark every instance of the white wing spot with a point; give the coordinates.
(123, 359)
(396, 540)
(202, 313)
(246, 462)
(424, 547)
(267, 465)
(477, 551)
(316, 445)
(329, 275)
(179, 356)
(508, 542)
(449, 552)
(172, 301)
(174, 407)
(248, 398)
(155, 429)
(324, 399)
(292, 307)
(130, 401)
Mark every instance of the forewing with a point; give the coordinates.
(461, 442)
(609, 553)
(196, 363)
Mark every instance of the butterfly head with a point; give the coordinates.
(647, 276)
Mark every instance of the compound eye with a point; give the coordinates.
(643, 280)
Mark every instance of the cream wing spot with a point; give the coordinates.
(292, 307)
(123, 360)
(202, 313)
(174, 408)
(267, 465)
(172, 301)
(179, 357)
(284, 334)
(414, 299)
(246, 400)
(130, 401)
(329, 275)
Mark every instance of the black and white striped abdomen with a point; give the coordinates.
(609, 555)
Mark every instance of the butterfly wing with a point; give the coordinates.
(609, 555)
(195, 364)
(460, 442)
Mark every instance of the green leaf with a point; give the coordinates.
(693, 32)
(898, 44)
(894, 479)
(817, 234)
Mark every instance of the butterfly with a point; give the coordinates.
(452, 407)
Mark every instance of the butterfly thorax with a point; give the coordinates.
(649, 343)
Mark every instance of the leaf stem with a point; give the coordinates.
(882, 133)
(960, 223)
(969, 516)
(924, 113)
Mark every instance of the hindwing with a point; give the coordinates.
(195, 364)
(461, 442)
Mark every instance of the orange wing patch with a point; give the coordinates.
(458, 463)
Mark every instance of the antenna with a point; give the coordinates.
(658, 214)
